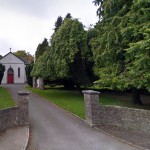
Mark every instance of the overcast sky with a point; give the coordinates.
(25, 23)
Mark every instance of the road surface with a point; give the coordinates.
(54, 129)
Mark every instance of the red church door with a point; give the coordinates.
(10, 79)
(10, 76)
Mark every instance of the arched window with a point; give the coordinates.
(18, 72)
(10, 71)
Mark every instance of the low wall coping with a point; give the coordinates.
(23, 93)
(90, 92)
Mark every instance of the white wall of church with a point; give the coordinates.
(15, 67)
(11, 61)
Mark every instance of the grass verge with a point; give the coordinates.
(5, 99)
(73, 101)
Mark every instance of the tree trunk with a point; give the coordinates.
(41, 83)
(79, 88)
(136, 96)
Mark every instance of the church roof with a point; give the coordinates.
(26, 62)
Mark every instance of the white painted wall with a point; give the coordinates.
(14, 62)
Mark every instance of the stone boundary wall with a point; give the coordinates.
(8, 118)
(15, 116)
(128, 118)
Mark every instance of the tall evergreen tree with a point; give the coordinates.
(42, 47)
(58, 23)
(68, 16)
(68, 59)
(70, 52)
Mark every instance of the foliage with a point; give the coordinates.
(40, 67)
(138, 52)
(1, 56)
(68, 16)
(100, 9)
(20, 53)
(70, 53)
(58, 23)
(121, 47)
(28, 73)
(24, 54)
(5, 99)
(68, 60)
(42, 47)
(2, 70)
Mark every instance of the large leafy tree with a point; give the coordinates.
(44, 68)
(42, 47)
(24, 54)
(70, 52)
(2, 70)
(138, 50)
(20, 53)
(121, 47)
(40, 67)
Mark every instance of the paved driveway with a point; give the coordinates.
(54, 129)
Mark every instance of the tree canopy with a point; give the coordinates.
(70, 52)
(121, 47)
(40, 67)
(24, 54)
(68, 58)
(118, 47)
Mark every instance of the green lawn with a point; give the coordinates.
(124, 100)
(5, 99)
(73, 100)
(69, 100)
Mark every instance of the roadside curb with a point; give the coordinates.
(26, 139)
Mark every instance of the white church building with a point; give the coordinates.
(14, 69)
